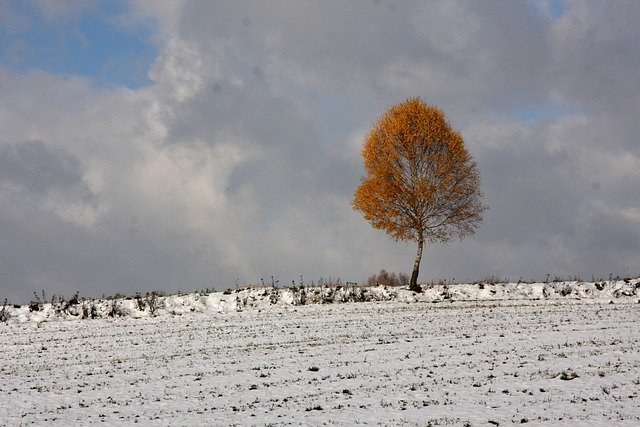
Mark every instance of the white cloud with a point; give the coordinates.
(179, 70)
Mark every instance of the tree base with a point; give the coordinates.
(417, 288)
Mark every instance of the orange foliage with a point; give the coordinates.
(420, 184)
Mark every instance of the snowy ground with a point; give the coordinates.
(551, 359)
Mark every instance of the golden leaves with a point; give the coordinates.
(420, 181)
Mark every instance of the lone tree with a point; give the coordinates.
(420, 182)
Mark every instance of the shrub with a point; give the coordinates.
(437, 282)
(37, 303)
(34, 306)
(140, 304)
(328, 295)
(61, 306)
(274, 295)
(388, 279)
(152, 300)
(86, 313)
(94, 310)
(114, 311)
(493, 280)
(4, 316)
(299, 295)
(75, 299)
(565, 291)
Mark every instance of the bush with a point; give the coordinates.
(37, 303)
(86, 313)
(94, 311)
(388, 279)
(152, 300)
(299, 295)
(61, 306)
(114, 310)
(4, 316)
(274, 295)
(140, 303)
(75, 299)
(34, 306)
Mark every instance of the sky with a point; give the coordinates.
(185, 145)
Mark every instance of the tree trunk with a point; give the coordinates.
(413, 285)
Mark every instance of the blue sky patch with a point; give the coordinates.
(91, 45)
(554, 8)
(537, 113)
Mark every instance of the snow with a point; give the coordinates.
(562, 353)
(627, 290)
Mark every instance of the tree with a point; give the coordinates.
(420, 183)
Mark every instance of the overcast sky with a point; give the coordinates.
(183, 145)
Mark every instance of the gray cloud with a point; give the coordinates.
(240, 160)
(596, 47)
(31, 166)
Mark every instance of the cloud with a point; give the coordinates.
(33, 167)
(240, 159)
(547, 185)
(595, 50)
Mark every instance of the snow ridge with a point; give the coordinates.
(258, 298)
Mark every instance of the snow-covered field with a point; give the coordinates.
(570, 357)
